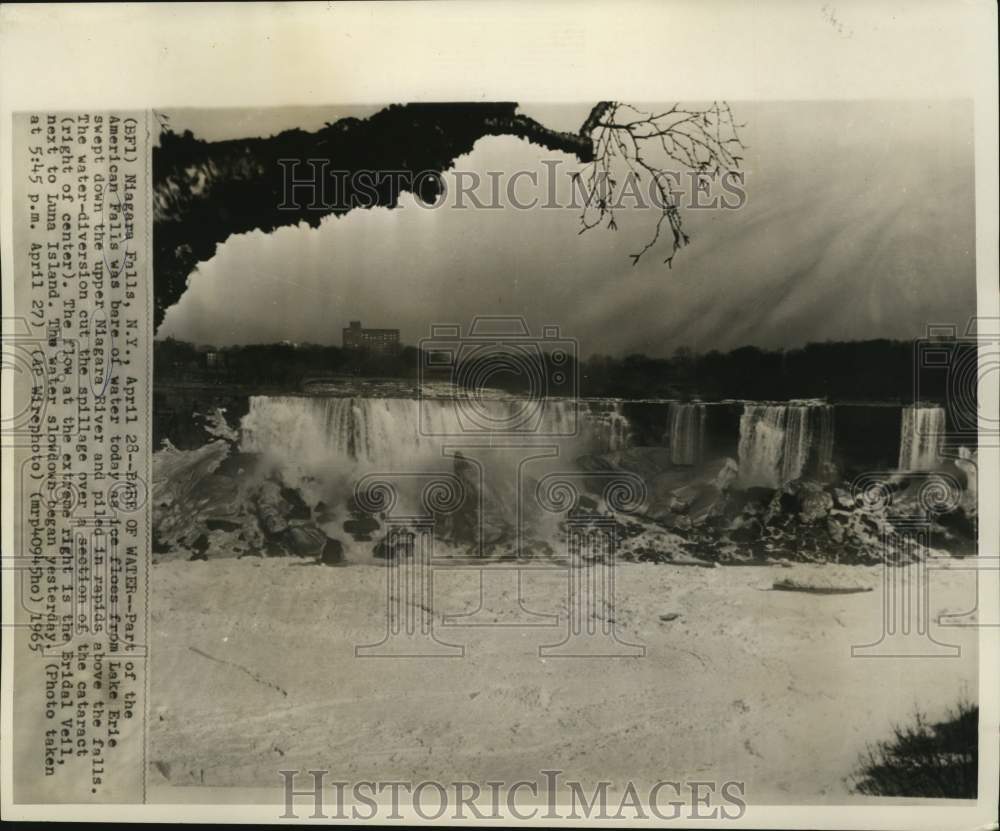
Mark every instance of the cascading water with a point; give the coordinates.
(335, 431)
(337, 440)
(921, 436)
(798, 441)
(686, 433)
(825, 448)
(761, 447)
(604, 426)
(780, 442)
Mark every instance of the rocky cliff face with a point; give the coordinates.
(215, 501)
(804, 519)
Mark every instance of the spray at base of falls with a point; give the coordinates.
(781, 442)
(324, 444)
(921, 438)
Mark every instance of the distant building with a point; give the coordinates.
(215, 360)
(379, 341)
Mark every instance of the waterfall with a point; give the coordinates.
(920, 440)
(328, 431)
(798, 441)
(604, 426)
(686, 431)
(825, 447)
(349, 434)
(762, 440)
(781, 442)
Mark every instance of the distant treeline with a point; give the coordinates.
(273, 364)
(872, 370)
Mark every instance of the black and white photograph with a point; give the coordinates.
(595, 422)
(475, 413)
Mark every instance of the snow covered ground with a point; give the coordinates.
(254, 670)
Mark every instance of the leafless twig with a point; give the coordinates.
(703, 142)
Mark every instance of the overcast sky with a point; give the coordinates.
(858, 224)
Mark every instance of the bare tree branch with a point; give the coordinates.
(703, 141)
(204, 192)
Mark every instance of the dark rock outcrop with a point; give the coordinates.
(362, 526)
(332, 553)
(212, 503)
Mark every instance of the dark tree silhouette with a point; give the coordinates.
(925, 759)
(204, 192)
